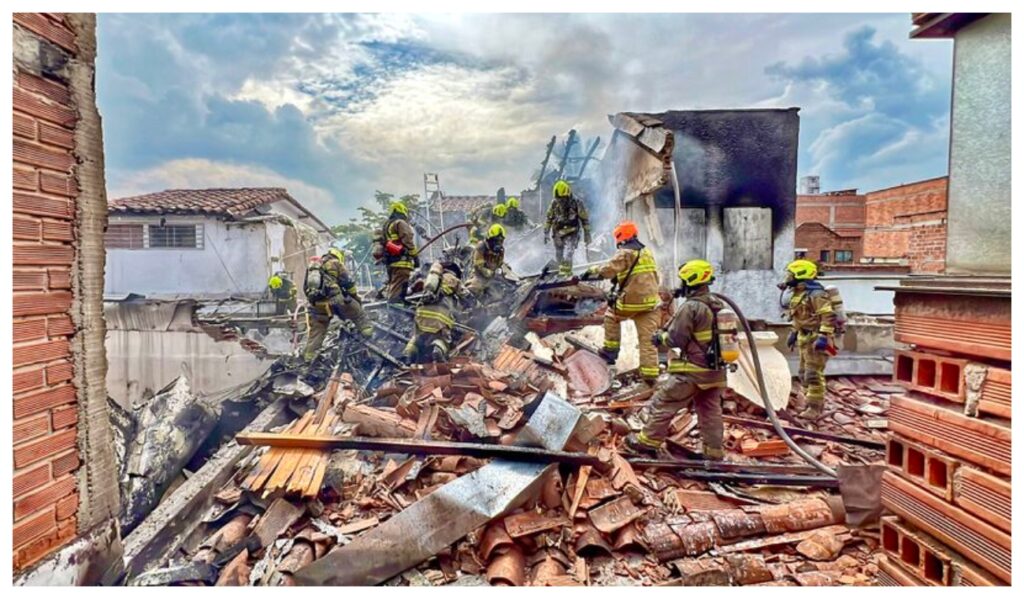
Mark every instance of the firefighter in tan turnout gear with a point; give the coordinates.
(698, 375)
(331, 292)
(567, 215)
(435, 317)
(395, 245)
(634, 274)
(488, 262)
(814, 328)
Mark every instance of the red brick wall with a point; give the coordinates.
(45, 408)
(908, 222)
(842, 213)
(815, 237)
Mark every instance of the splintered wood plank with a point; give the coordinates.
(313, 488)
(270, 460)
(311, 460)
(287, 462)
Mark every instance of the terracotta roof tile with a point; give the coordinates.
(229, 202)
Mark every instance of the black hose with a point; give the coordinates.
(779, 430)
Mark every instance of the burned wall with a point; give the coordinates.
(65, 485)
(736, 171)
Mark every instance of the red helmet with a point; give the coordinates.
(625, 231)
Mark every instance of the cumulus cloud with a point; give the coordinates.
(878, 116)
(346, 104)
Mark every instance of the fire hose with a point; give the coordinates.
(763, 389)
(443, 233)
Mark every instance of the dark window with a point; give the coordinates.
(844, 256)
(125, 237)
(824, 256)
(176, 236)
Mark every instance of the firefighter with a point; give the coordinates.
(814, 327)
(435, 318)
(514, 216)
(284, 292)
(483, 217)
(693, 378)
(634, 297)
(331, 292)
(488, 262)
(566, 216)
(395, 245)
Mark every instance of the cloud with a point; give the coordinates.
(877, 115)
(347, 104)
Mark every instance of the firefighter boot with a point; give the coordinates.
(713, 453)
(639, 443)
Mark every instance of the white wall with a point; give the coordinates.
(234, 260)
(979, 225)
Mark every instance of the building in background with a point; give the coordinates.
(830, 227)
(900, 229)
(906, 225)
(65, 487)
(208, 243)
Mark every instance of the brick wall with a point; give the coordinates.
(908, 222)
(815, 237)
(57, 152)
(843, 212)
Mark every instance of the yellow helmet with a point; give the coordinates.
(400, 208)
(337, 253)
(496, 230)
(499, 210)
(275, 282)
(696, 272)
(512, 202)
(562, 189)
(802, 270)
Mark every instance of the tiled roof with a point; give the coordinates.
(229, 202)
(466, 203)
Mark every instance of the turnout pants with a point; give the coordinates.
(320, 318)
(485, 290)
(421, 347)
(646, 325)
(398, 280)
(812, 369)
(565, 247)
(675, 394)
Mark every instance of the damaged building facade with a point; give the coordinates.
(65, 482)
(182, 262)
(717, 184)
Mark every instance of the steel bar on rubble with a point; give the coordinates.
(802, 432)
(719, 466)
(380, 352)
(409, 446)
(387, 331)
(752, 478)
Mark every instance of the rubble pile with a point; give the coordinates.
(761, 518)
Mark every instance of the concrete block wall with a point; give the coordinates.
(64, 482)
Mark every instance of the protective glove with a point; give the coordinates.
(586, 236)
(821, 343)
(791, 340)
(660, 338)
(547, 237)
(590, 274)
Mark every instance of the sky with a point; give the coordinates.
(336, 106)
